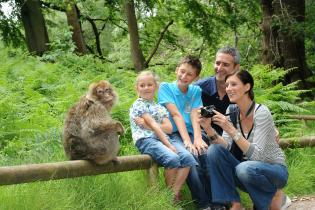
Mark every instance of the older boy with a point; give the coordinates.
(182, 99)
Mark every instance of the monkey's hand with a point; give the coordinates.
(120, 128)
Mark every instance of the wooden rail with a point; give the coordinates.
(302, 117)
(307, 141)
(76, 168)
(68, 169)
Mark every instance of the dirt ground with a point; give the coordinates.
(303, 203)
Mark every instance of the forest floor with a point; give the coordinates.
(303, 203)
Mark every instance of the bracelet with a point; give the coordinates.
(213, 137)
(237, 136)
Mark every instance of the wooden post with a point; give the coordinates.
(153, 174)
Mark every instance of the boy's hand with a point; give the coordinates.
(201, 146)
(191, 148)
(141, 122)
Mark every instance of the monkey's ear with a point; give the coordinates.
(91, 92)
(89, 97)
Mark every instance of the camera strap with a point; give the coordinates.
(250, 109)
(235, 150)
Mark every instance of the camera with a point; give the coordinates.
(207, 111)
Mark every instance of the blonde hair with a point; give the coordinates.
(147, 73)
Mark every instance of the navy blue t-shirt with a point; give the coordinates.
(210, 96)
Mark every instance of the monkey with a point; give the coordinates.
(89, 131)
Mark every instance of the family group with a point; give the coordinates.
(211, 134)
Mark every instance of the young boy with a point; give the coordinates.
(182, 100)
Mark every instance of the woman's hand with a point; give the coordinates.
(205, 123)
(224, 122)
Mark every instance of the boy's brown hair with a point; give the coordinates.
(193, 61)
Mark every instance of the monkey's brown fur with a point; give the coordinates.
(89, 131)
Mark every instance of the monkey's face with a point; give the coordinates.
(105, 94)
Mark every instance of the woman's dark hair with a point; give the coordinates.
(246, 78)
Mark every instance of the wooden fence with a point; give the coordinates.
(76, 168)
(69, 169)
(302, 117)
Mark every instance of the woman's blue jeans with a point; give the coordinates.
(259, 179)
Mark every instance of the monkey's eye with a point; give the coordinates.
(103, 91)
(107, 90)
(100, 91)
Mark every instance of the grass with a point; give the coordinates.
(110, 191)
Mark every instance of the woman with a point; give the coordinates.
(261, 170)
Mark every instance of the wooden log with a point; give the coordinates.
(302, 117)
(307, 141)
(68, 169)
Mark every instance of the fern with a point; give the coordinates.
(281, 100)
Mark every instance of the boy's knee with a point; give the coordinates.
(172, 161)
(188, 159)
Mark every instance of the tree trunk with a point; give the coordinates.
(34, 25)
(283, 46)
(267, 41)
(136, 52)
(73, 16)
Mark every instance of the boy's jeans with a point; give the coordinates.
(197, 180)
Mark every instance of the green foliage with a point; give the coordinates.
(10, 31)
(309, 34)
(36, 95)
(281, 100)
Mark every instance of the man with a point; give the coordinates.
(227, 61)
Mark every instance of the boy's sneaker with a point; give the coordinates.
(207, 208)
(218, 207)
(286, 202)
